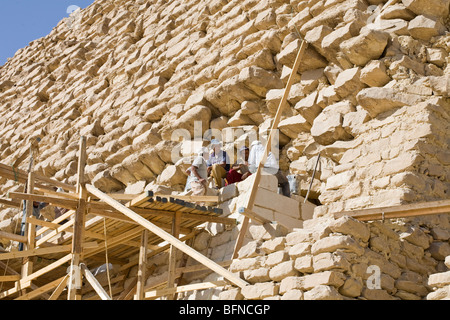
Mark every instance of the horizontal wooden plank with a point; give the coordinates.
(43, 251)
(10, 278)
(402, 211)
(13, 237)
(22, 175)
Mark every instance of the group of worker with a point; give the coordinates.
(214, 162)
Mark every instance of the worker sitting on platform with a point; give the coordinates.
(239, 171)
(198, 173)
(218, 163)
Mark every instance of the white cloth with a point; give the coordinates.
(255, 156)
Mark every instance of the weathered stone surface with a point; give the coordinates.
(435, 8)
(379, 100)
(327, 127)
(293, 126)
(374, 74)
(330, 244)
(348, 82)
(350, 226)
(424, 28)
(369, 45)
(322, 292)
(260, 291)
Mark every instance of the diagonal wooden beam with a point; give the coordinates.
(168, 237)
(94, 283)
(276, 121)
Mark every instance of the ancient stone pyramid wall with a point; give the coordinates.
(371, 94)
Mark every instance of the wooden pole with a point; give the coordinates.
(74, 292)
(173, 254)
(94, 283)
(30, 229)
(276, 121)
(142, 266)
(168, 237)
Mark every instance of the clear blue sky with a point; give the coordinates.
(22, 21)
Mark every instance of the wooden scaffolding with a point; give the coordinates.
(97, 229)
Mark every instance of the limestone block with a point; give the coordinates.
(376, 294)
(276, 244)
(439, 250)
(315, 36)
(268, 182)
(266, 231)
(292, 126)
(231, 294)
(352, 287)
(350, 226)
(348, 82)
(171, 176)
(245, 264)
(304, 264)
(308, 108)
(334, 39)
(283, 270)
(260, 291)
(299, 236)
(439, 280)
(369, 45)
(294, 294)
(437, 8)
(145, 140)
(436, 56)
(290, 283)
(122, 174)
(277, 202)
(447, 261)
(266, 19)
(440, 85)
(276, 258)
(288, 221)
(187, 122)
(439, 294)
(260, 80)
(311, 59)
(332, 243)
(378, 100)
(424, 28)
(322, 292)
(229, 94)
(329, 278)
(374, 74)
(416, 236)
(250, 250)
(340, 180)
(151, 159)
(299, 250)
(312, 80)
(411, 287)
(139, 170)
(327, 127)
(257, 275)
(330, 261)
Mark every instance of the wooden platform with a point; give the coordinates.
(98, 229)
